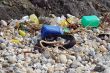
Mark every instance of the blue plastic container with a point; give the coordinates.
(48, 30)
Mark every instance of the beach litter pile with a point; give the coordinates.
(65, 44)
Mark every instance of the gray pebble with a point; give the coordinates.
(43, 71)
(107, 70)
(71, 70)
(79, 58)
(2, 71)
(92, 53)
(20, 57)
(38, 65)
(56, 72)
(108, 46)
(38, 71)
(96, 30)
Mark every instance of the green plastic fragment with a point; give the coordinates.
(90, 21)
(66, 30)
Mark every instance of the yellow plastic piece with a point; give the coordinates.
(15, 41)
(63, 23)
(34, 19)
(22, 33)
(70, 20)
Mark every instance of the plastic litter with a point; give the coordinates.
(34, 19)
(22, 33)
(25, 19)
(62, 21)
(15, 41)
(90, 21)
(48, 30)
(72, 19)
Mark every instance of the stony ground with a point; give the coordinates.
(91, 53)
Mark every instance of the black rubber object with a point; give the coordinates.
(70, 40)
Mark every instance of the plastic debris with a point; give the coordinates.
(22, 33)
(48, 30)
(25, 19)
(62, 21)
(53, 42)
(15, 41)
(72, 19)
(34, 19)
(90, 21)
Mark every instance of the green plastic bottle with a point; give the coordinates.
(90, 21)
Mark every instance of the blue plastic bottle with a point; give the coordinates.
(48, 30)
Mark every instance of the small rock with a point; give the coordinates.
(38, 71)
(79, 70)
(108, 46)
(69, 62)
(62, 58)
(71, 70)
(107, 70)
(38, 65)
(2, 71)
(4, 23)
(56, 72)
(99, 68)
(45, 67)
(11, 59)
(96, 30)
(46, 54)
(92, 53)
(48, 65)
(103, 48)
(75, 64)
(2, 40)
(71, 57)
(2, 46)
(20, 57)
(30, 70)
(79, 58)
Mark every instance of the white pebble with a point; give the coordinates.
(4, 23)
(62, 58)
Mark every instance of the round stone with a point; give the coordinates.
(99, 68)
(62, 58)
(4, 23)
